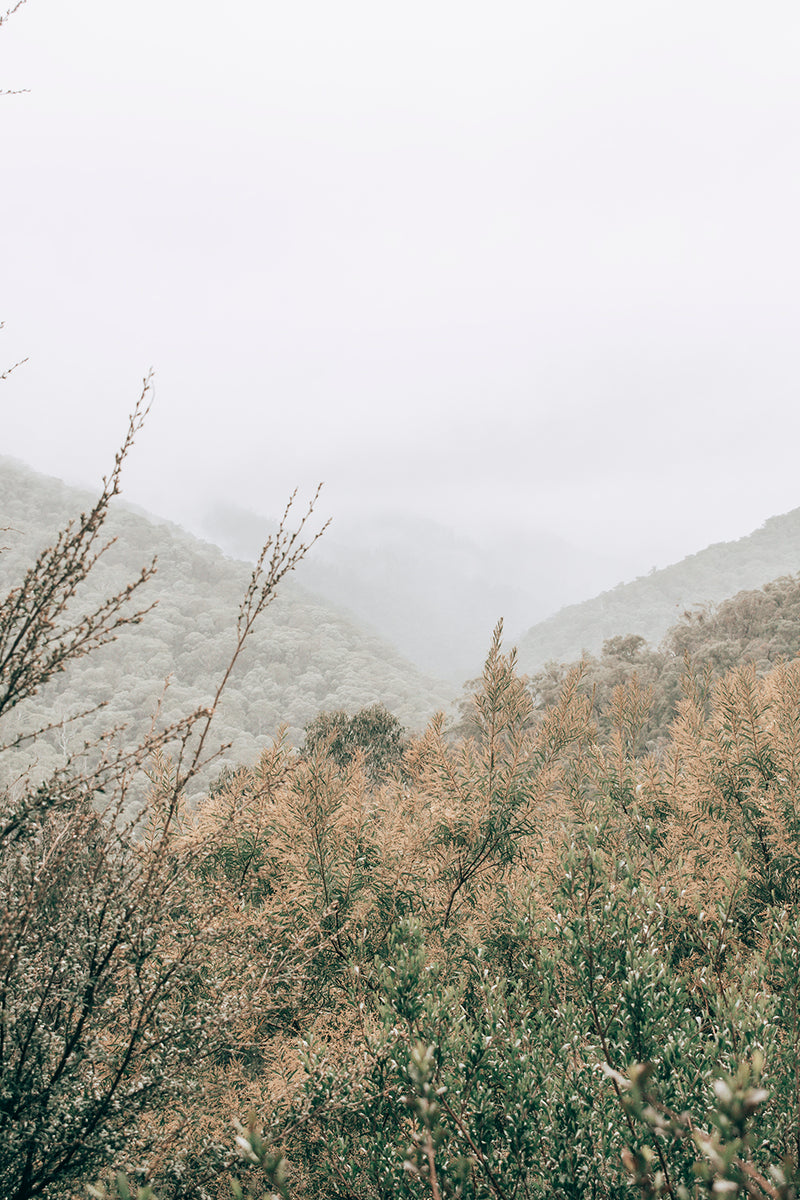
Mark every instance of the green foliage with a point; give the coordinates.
(482, 1086)
(466, 1080)
(270, 1163)
(263, 1166)
(120, 1190)
(723, 1155)
(428, 1106)
(373, 732)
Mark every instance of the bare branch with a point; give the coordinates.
(280, 554)
(10, 11)
(35, 640)
(8, 370)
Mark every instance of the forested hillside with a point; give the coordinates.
(650, 605)
(305, 656)
(756, 629)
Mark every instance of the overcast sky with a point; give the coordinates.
(505, 264)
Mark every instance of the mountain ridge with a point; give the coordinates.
(649, 605)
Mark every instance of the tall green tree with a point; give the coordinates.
(373, 732)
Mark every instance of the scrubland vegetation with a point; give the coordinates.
(549, 951)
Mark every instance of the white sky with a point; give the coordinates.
(506, 264)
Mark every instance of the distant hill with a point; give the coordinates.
(756, 629)
(431, 592)
(650, 605)
(305, 656)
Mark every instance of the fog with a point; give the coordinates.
(526, 270)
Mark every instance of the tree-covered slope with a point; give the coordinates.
(650, 605)
(305, 656)
(755, 630)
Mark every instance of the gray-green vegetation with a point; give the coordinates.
(758, 628)
(434, 595)
(650, 605)
(306, 656)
